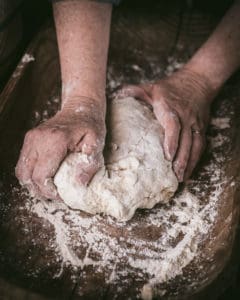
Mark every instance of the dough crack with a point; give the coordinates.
(136, 174)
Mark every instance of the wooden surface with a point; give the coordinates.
(139, 38)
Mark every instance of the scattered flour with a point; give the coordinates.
(173, 65)
(188, 220)
(108, 244)
(218, 140)
(221, 123)
(27, 58)
(157, 71)
(125, 182)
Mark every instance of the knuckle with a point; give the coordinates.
(18, 172)
(201, 125)
(175, 115)
(182, 163)
(38, 178)
(30, 135)
(172, 114)
(176, 120)
(61, 135)
(92, 136)
(56, 135)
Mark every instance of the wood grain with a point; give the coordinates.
(139, 38)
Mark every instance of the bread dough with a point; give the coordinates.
(135, 175)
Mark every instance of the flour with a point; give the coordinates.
(157, 72)
(188, 217)
(80, 240)
(173, 65)
(190, 220)
(27, 58)
(135, 174)
(218, 140)
(221, 123)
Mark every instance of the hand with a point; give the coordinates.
(181, 104)
(79, 129)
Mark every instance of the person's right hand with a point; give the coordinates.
(81, 129)
(181, 104)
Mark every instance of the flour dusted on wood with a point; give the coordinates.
(135, 175)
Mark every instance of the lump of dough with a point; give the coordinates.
(135, 175)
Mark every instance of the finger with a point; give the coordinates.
(183, 153)
(198, 146)
(25, 166)
(33, 190)
(24, 170)
(91, 145)
(44, 171)
(138, 92)
(172, 130)
(87, 171)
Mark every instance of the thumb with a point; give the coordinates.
(141, 92)
(88, 168)
(91, 148)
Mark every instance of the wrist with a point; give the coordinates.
(207, 75)
(76, 92)
(78, 104)
(83, 108)
(198, 83)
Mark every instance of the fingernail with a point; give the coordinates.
(180, 175)
(178, 171)
(84, 178)
(168, 156)
(167, 153)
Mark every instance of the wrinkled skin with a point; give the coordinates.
(181, 104)
(78, 129)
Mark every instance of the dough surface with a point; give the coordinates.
(135, 175)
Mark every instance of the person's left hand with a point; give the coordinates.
(181, 104)
(76, 128)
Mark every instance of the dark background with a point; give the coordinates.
(35, 13)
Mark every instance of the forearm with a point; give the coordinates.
(219, 57)
(83, 38)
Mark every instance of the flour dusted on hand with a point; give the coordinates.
(135, 174)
